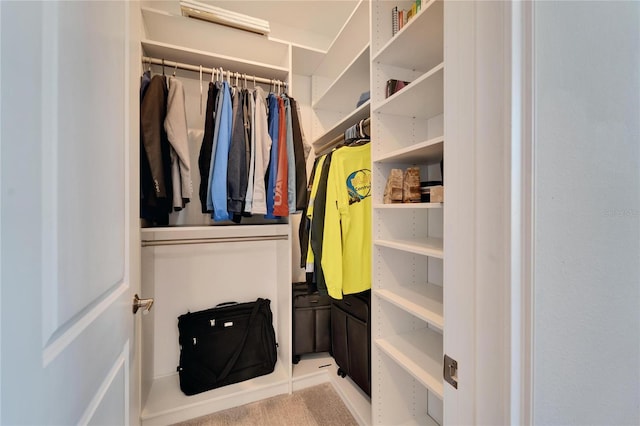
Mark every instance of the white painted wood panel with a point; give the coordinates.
(66, 98)
(86, 168)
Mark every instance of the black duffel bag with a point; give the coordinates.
(227, 344)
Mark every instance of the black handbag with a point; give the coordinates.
(227, 344)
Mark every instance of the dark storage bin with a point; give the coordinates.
(311, 322)
(351, 337)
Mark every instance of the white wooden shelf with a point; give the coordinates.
(305, 60)
(348, 86)
(420, 354)
(425, 420)
(425, 246)
(189, 56)
(428, 152)
(178, 30)
(312, 369)
(423, 32)
(408, 206)
(422, 301)
(166, 404)
(355, 116)
(351, 39)
(423, 98)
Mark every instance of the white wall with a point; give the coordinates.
(586, 354)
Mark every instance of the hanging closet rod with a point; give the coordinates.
(197, 68)
(186, 241)
(366, 125)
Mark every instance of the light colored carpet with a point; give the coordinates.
(315, 406)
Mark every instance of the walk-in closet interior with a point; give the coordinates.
(459, 180)
(336, 59)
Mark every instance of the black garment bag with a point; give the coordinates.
(226, 344)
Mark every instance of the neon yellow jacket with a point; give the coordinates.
(346, 244)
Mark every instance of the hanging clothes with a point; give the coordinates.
(156, 195)
(237, 172)
(204, 159)
(175, 125)
(220, 160)
(346, 253)
(214, 145)
(311, 212)
(274, 126)
(280, 200)
(248, 124)
(305, 224)
(248, 199)
(144, 83)
(263, 144)
(291, 172)
(317, 223)
(300, 158)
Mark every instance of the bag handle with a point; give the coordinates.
(236, 355)
(226, 304)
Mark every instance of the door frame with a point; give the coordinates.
(522, 211)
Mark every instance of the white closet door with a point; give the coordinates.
(68, 127)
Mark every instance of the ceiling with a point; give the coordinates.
(324, 17)
(312, 23)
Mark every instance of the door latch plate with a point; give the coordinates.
(450, 372)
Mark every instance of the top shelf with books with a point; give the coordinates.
(423, 33)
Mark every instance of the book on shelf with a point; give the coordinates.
(400, 17)
(411, 12)
(394, 20)
(393, 86)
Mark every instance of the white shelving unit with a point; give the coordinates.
(408, 304)
(340, 78)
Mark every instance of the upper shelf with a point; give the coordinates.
(423, 98)
(353, 37)
(197, 57)
(176, 30)
(348, 86)
(423, 34)
(339, 128)
(427, 152)
(305, 60)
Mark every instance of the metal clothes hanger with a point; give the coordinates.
(163, 67)
(200, 89)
